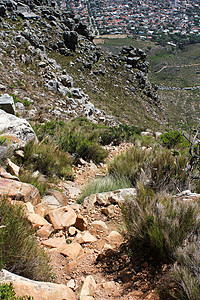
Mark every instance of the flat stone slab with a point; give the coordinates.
(38, 290)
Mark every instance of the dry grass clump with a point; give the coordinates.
(158, 224)
(160, 169)
(19, 252)
(104, 184)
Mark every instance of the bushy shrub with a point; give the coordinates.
(19, 252)
(171, 138)
(130, 164)
(104, 184)
(186, 271)
(47, 159)
(118, 134)
(78, 137)
(159, 169)
(7, 293)
(158, 224)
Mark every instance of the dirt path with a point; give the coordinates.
(178, 66)
(118, 275)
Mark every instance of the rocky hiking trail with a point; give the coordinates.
(89, 254)
(97, 263)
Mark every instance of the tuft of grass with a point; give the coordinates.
(19, 252)
(104, 184)
(29, 178)
(48, 160)
(158, 224)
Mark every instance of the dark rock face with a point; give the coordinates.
(7, 104)
(70, 39)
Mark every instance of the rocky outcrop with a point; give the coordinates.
(38, 290)
(15, 131)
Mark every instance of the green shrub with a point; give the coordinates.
(26, 102)
(78, 137)
(7, 293)
(19, 252)
(158, 224)
(48, 160)
(118, 134)
(2, 140)
(171, 138)
(159, 169)
(104, 184)
(78, 143)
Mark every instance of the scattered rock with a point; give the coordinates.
(84, 238)
(114, 238)
(45, 231)
(13, 168)
(36, 220)
(7, 104)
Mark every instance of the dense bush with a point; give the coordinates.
(171, 138)
(28, 177)
(104, 184)
(159, 169)
(47, 159)
(84, 139)
(7, 293)
(118, 134)
(19, 252)
(158, 224)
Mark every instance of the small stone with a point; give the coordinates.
(71, 284)
(99, 228)
(72, 231)
(13, 168)
(109, 211)
(62, 217)
(72, 250)
(36, 220)
(19, 153)
(45, 231)
(81, 223)
(55, 242)
(88, 288)
(84, 238)
(114, 238)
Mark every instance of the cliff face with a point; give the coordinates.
(63, 74)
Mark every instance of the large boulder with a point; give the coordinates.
(19, 191)
(16, 132)
(38, 290)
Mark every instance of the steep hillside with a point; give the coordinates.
(48, 57)
(174, 71)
